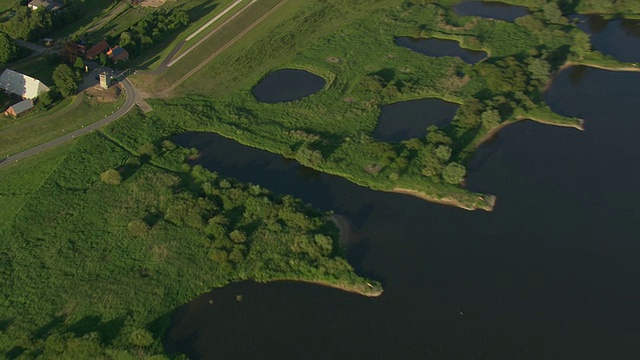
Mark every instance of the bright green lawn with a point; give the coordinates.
(18, 182)
(40, 128)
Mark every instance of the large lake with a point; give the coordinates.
(551, 273)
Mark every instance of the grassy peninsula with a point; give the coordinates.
(332, 130)
(104, 243)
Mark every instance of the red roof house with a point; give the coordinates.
(97, 49)
(118, 54)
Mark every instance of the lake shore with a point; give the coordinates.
(488, 200)
(569, 64)
(366, 289)
(493, 132)
(342, 223)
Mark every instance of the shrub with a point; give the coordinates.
(454, 173)
(141, 338)
(111, 177)
(138, 227)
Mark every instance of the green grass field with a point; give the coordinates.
(199, 12)
(39, 67)
(94, 10)
(8, 4)
(94, 270)
(39, 128)
(22, 180)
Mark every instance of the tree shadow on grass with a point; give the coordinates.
(46, 329)
(15, 352)
(108, 330)
(5, 323)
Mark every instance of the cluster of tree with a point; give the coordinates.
(509, 86)
(8, 49)
(432, 156)
(152, 29)
(31, 25)
(436, 157)
(66, 80)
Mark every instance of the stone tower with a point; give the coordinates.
(105, 81)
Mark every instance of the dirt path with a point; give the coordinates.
(210, 34)
(167, 91)
(168, 60)
(116, 10)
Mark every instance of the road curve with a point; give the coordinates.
(128, 105)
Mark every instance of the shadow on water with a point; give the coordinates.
(550, 273)
(287, 85)
(441, 48)
(492, 10)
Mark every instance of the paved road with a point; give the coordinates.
(128, 105)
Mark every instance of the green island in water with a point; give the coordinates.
(102, 238)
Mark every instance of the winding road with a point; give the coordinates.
(128, 105)
(132, 96)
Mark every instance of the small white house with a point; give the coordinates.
(21, 84)
(44, 4)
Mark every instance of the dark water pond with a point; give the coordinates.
(493, 10)
(551, 273)
(619, 38)
(410, 119)
(440, 48)
(287, 85)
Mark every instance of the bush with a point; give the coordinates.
(111, 177)
(454, 173)
(141, 338)
(138, 228)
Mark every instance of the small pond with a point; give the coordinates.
(441, 48)
(493, 10)
(410, 119)
(287, 85)
(619, 38)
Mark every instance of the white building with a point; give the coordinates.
(21, 84)
(44, 4)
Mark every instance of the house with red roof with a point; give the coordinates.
(118, 54)
(97, 49)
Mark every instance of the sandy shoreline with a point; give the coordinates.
(364, 289)
(569, 64)
(491, 133)
(489, 199)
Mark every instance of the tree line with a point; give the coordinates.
(31, 25)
